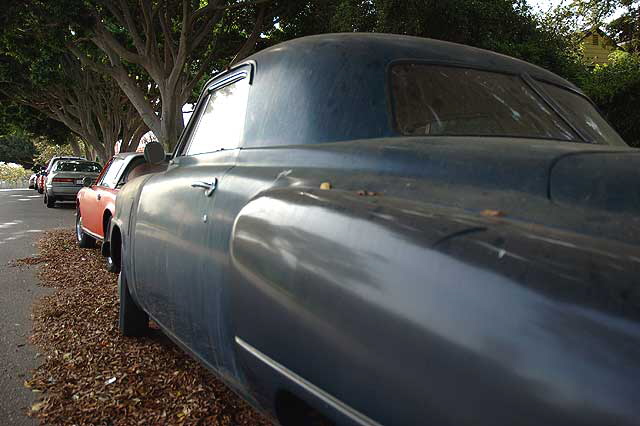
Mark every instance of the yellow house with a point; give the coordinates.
(596, 47)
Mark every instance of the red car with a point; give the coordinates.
(95, 203)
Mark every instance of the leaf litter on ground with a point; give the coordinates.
(90, 374)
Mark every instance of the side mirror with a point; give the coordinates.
(87, 181)
(154, 153)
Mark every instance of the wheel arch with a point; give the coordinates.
(106, 216)
(114, 245)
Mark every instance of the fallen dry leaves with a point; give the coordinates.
(92, 375)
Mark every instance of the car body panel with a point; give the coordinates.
(176, 217)
(473, 298)
(67, 191)
(384, 279)
(97, 201)
(42, 179)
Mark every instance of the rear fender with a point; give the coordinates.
(369, 287)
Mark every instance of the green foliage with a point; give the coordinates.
(625, 30)
(615, 88)
(46, 151)
(16, 118)
(505, 26)
(11, 172)
(17, 148)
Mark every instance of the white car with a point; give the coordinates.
(32, 181)
(66, 178)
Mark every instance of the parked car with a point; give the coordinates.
(377, 229)
(66, 178)
(39, 181)
(95, 204)
(33, 177)
(42, 176)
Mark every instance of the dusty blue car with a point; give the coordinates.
(386, 230)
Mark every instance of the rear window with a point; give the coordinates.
(441, 100)
(78, 167)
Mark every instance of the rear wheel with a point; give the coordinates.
(132, 321)
(84, 240)
(49, 201)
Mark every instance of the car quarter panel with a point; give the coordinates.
(464, 319)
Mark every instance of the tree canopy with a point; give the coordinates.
(17, 148)
(110, 70)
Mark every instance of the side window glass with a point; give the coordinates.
(110, 177)
(584, 116)
(221, 121)
(133, 164)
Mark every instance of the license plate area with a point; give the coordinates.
(78, 181)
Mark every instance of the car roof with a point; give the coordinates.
(335, 87)
(67, 158)
(124, 155)
(312, 52)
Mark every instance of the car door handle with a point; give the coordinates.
(209, 187)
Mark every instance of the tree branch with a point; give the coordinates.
(206, 29)
(250, 44)
(183, 48)
(130, 25)
(109, 40)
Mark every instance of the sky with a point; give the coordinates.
(544, 5)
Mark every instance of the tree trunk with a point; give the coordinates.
(137, 136)
(75, 146)
(171, 123)
(87, 152)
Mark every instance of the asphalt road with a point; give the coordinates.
(23, 219)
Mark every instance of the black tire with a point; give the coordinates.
(49, 201)
(40, 190)
(84, 240)
(112, 265)
(132, 321)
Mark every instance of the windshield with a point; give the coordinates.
(442, 100)
(75, 166)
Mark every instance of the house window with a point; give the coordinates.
(594, 39)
